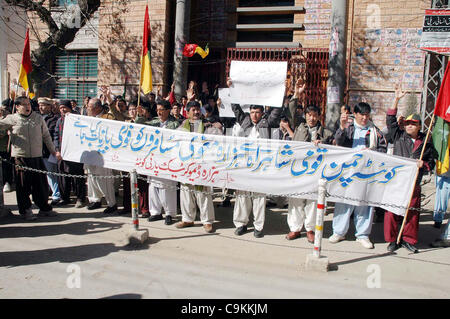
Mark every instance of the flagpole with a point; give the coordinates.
(415, 181)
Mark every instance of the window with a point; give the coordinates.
(77, 75)
(266, 36)
(263, 19)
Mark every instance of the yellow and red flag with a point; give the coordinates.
(146, 67)
(25, 67)
(190, 49)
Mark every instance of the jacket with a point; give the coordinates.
(27, 134)
(50, 120)
(263, 126)
(405, 147)
(301, 133)
(345, 138)
(172, 123)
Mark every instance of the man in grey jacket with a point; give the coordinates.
(28, 130)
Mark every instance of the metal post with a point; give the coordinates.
(336, 63)
(134, 199)
(182, 20)
(319, 217)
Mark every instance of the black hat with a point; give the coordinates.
(165, 104)
(192, 104)
(66, 103)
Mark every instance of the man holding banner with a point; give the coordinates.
(253, 126)
(192, 196)
(359, 135)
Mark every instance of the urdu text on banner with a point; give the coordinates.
(285, 168)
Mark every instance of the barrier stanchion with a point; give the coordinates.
(136, 236)
(315, 261)
(134, 199)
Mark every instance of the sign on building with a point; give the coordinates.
(436, 32)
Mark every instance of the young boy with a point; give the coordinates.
(408, 142)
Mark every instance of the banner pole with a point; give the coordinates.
(134, 199)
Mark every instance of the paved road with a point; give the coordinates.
(43, 259)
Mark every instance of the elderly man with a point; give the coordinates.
(100, 187)
(28, 133)
(45, 108)
(162, 192)
(192, 196)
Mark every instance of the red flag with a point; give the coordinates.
(25, 66)
(189, 50)
(146, 67)
(443, 101)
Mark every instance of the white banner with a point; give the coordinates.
(275, 167)
(255, 82)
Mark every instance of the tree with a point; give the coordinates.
(58, 36)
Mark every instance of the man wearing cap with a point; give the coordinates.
(46, 110)
(253, 126)
(162, 192)
(66, 183)
(361, 134)
(100, 187)
(408, 142)
(192, 196)
(28, 132)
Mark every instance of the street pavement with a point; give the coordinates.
(85, 254)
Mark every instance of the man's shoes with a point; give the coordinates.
(63, 203)
(94, 205)
(184, 224)
(29, 216)
(293, 235)
(7, 188)
(50, 213)
(154, 218)
(55, 202)
(124, 212)
(392, 247)
(208, 228)
(335, 238)
(410, 247)
(79, 203)
(310, 236)
(437, 225)
(240, 231)
(258, 233)
(145, 215)
(365, 242)
(440, 243)
(168, 220)
(110, 209)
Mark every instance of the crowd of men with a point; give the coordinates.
(31, 135)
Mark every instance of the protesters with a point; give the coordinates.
(302, 212)
(408, 142)
(100, 187)
(361, 134)
(67, 183)
(192, 196)
(162, 192)
(45, 107)
(253, 126)
(176, 112)
(28, 133)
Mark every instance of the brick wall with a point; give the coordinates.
(120, 42)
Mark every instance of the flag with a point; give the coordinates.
(146, 67)
(443, 100)
(441, 130)
(190, 49)
(441, 142)
(25, 66)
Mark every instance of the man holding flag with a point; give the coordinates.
(441, 140)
